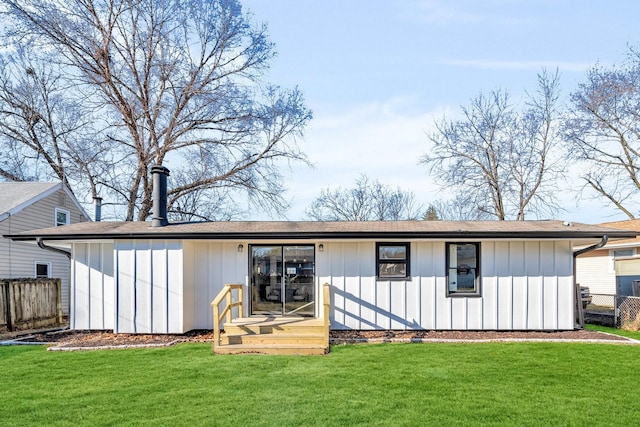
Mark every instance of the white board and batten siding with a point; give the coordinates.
(166, 286)
(525, 285)
(149, 290)
(92, 287)
(161, 286)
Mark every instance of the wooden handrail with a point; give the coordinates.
(226, 294)
(326, 305)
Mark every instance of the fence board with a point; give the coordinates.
(30, 303)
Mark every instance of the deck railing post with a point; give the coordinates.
(326, 304)
(229, 306)
(216, 325)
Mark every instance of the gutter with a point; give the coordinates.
(579, 308)
(598, 245)
(40, 242)
(307, 235)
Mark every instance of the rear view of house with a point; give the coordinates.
(160, 277)
(28, 206)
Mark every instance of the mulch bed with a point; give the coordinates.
(67, 339)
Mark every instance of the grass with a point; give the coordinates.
(384, 384)
(622, 332)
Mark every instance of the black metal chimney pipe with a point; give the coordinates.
(159, 214)
(97, 209)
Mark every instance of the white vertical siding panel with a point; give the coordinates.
(426, 275)
(459, 311)
(142, 284)
(202, 276)
(159, 287)
(443, 305)
(397, 304)
(505, 285)
(549, 285)
(367, 285)
(383, 304)
(80, 317)
(520, 292)
(109, 285)
(414, 290)
(176, 294)
(489, 287)
(534, 285)
(96, 286)
(352, 301)
(125, 273)
(337, 281)
(566, 292)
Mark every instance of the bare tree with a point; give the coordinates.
(498, 160)
(178, 83)
(44, 133)
(603, 130)
(366, 201)
(460, 208)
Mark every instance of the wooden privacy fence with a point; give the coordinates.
(30, 303)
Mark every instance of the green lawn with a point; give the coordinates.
(383, 384)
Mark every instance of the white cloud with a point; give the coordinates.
(383, 140)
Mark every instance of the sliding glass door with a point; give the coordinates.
(283, 280)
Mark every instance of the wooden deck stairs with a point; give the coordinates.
(273, 335)
(267, 334)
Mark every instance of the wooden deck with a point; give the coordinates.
(273, 335)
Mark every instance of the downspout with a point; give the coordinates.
(40, 242)
(579, 308)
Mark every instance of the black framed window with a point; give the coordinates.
(42, 269)
(392, 260)
(463, 269)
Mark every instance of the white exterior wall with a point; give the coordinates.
(166, 286)
(525, 285)
(597, 271)
(208, 267)
(92, 287)
(149, 291)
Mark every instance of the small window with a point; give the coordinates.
(43, 270)
(62, 217)
(392, 260)
(622, 253)
(463, 269)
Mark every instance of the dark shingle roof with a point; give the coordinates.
(317, 230)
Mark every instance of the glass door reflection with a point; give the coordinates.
(282, 280)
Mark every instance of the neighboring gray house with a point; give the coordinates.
(28, 206)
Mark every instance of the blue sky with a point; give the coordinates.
(378, 73)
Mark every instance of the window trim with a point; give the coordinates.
(478, 279)
(406, 261)
(55, 218)
(49, 269)
(614, 256)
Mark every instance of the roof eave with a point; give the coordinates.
(329, 235)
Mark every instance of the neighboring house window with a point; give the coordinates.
(392, 260)
(62, 217)
(43, 269)
(622, 253)
(463, 269)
